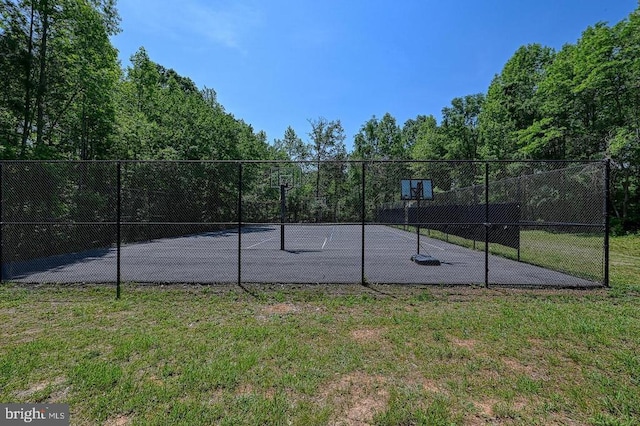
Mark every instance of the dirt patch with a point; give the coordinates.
(492, 411)
(156, 380)
(363, 409)
(37, 387)
(464, 343)
(534, 372)
(356, 398)
(517, 366)
(8, 311)
(59, 396)
(27, 336)
(244, 390)
(417, 380)
(248, 390)
(280, 309)
(521, 404)
(121, 420)
(431, 386)
(484, 415)
(365, 335)
(485, 407)
(216, 396)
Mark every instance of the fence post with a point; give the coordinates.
(486, 224)
(607, 224)
(363, 217)
(240, 223)
(520, 208)
(1, 223)
(118, 225)
(283, 214)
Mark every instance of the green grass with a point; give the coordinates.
(200, 355)
(625, 262)
(581, 255)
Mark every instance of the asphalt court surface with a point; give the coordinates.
(329, 253)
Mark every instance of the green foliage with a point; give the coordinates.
(380, 139)
(65, 97)
(162, 115)
(61, 71)
(512, 104)
(292, 147)
(582, 102)
(383, 140)
(328, 152)
(460, 127)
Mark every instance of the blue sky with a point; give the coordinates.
(280, 63)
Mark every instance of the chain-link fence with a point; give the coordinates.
(487, 223)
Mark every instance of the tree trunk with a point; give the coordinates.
(42, 83)
(26, 123)
(625, 201)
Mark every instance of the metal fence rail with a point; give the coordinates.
(489, 223)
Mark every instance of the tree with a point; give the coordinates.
(90, 114)
(429, 141)
(292, 147)
(598, 89)
(548, 136)
(162, 114)
(581, 97)
(431, 144)
(512, 103)
(624, 150)
(63, 72)
(380, 139)
(623, 145)
(460, 127)
(410, 131)
(15, 61)
(327, 145)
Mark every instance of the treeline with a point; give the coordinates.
(580, 103)
(65, 96)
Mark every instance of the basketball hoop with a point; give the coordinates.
(416, 189)
(287, 177)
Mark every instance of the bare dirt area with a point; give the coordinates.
(356, 398)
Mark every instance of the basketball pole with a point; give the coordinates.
(419, 195)
(283, 213)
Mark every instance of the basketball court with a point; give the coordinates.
(327, 253)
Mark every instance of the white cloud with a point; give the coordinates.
(225, 23)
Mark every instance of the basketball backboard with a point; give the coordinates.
(414, 189)
(288, 177)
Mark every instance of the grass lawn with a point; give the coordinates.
(343, 355)
(576, 254)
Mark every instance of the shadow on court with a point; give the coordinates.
(314, 254)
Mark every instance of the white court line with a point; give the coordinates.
(235, 248)
(257, 244)
(328, 238)
(414, 239)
